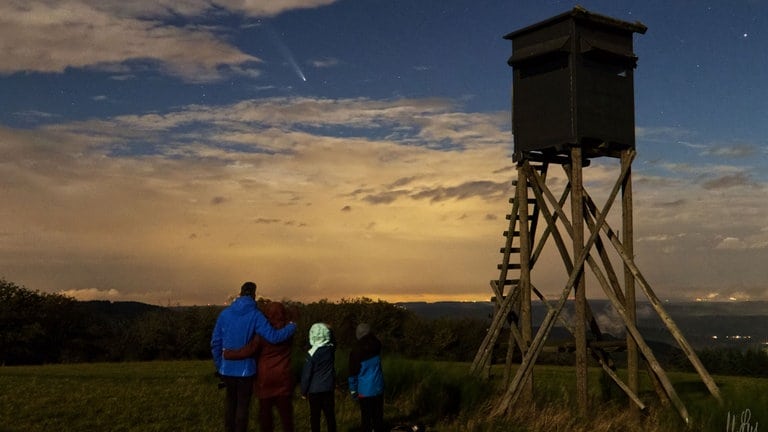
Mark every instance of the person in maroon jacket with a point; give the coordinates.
(274, 382)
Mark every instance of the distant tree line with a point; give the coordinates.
(40, 328)
(732, 361)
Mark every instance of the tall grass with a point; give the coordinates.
(157, 396)
(432, 392)
(183, 396)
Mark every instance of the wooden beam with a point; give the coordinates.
(497, 323)
(579, 287)
(526, 241)
(629, 279)
(539, 187)
(648, 353)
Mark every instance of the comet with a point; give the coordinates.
(286, 53)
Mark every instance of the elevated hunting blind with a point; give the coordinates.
(573, 84)
(573, 100)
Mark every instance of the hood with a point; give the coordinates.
(319, 336)
(243, 305)
(276, 314)
(363, 329)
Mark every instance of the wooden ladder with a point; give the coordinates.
(505, 287)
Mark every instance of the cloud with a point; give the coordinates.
(92, 294)
(182, 206)
(122, 77)
(33, 116)
(111, 35)
(671, 204)
(731, 243)
(385, 197)
(610, 321)
(402, 182)
(326, 62)
(751, 241)
(271, 8)
(663, 134)
(660, 238)
(728, 181)
(192, 8)
(50, 37)
(734, 151)
(733, 294)
(484, 189)
(487, 190)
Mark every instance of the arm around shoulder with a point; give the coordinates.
(245, 351)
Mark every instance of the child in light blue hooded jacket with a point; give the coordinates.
(366, 378)
(318, 377)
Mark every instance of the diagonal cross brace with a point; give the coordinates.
(656, 303)
(481, 358)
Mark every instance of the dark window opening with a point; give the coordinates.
(543, 64)
(619, 69)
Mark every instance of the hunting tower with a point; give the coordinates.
(573, 102)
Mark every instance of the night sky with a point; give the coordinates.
(167, 151)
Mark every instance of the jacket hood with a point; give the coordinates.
(243, 305)
(319, 336)
(363, 329)
(276, 314)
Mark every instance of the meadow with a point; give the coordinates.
(167, 396)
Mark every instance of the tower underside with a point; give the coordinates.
(570, 220)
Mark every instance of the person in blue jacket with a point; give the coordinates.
(318, 377)
(235, 326)
(366, 379)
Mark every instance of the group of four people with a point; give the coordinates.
(252, 353)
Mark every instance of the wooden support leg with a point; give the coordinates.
(580, 335)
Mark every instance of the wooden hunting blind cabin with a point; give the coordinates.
(573, 83)
(573, 101)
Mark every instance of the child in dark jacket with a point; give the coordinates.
(318, 377)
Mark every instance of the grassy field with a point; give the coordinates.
(183, 396)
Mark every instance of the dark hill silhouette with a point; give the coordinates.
(704, 324)
(120, 310)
